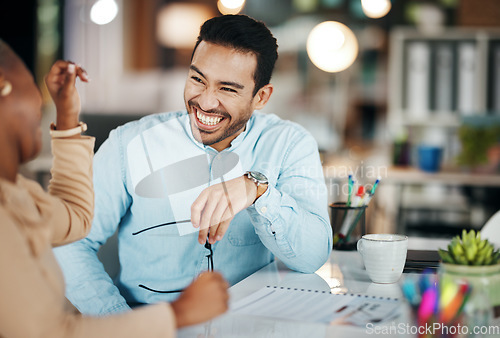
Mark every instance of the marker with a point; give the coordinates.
(465, 299)
(357, 201)
(410, 291)
(448, 290)
(375, 185)
(452, 309)
(428, 304)
(426, 280)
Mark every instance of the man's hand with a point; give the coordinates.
(217, 205)
(61, 85)
(204, 299)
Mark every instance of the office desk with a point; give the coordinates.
(343, 273)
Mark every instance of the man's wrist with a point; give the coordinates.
(259, 181)
(261, 189)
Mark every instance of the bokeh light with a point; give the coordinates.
(103, 11)
(376, 8)
(230, 6)
(178, 24)
(332, 46)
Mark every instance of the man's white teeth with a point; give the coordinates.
(208, 120)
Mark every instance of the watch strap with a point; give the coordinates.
(261, 185)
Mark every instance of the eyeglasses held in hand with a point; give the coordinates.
(210, 268)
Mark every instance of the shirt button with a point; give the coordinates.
(263, 210)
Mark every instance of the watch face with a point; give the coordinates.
(258, 176)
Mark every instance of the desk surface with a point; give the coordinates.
(343, 273)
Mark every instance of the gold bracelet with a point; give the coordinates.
(82, 126)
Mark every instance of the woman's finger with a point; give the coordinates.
(59, 67)
(82, 74)
(69, 82)
(57, 76)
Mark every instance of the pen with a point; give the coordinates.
(347, 224)
(350, 183)
(353, 224)
(367, 199)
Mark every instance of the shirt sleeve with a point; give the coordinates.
(291, 217)
(88, 286)
(31, 307)
(69, 206)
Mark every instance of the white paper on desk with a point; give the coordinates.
(317, 306)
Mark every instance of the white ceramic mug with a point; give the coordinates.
(384, 256)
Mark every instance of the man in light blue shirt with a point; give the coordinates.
(217, 180)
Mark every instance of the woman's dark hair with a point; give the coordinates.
(5, 52)
(246, 35)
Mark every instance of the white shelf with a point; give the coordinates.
(435, 118)
(410, 176)
(402, 38)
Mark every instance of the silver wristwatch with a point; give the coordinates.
(256, 177)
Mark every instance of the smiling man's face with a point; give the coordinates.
(219, 93)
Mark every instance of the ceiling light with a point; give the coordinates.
(376, 8)
(332, 46)
(103, 11)
(230, 6)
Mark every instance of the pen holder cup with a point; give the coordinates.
(348, 225)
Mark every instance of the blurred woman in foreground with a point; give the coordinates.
(32, 220)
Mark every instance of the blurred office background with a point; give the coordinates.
(404, 90)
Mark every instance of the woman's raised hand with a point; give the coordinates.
(61, 85)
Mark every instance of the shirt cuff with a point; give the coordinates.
(265, 215)
(266, 210)
(119, 308)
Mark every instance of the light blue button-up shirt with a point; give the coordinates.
(146, 176)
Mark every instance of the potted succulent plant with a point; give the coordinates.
(474, 260)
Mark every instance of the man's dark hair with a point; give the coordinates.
(246, 35)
